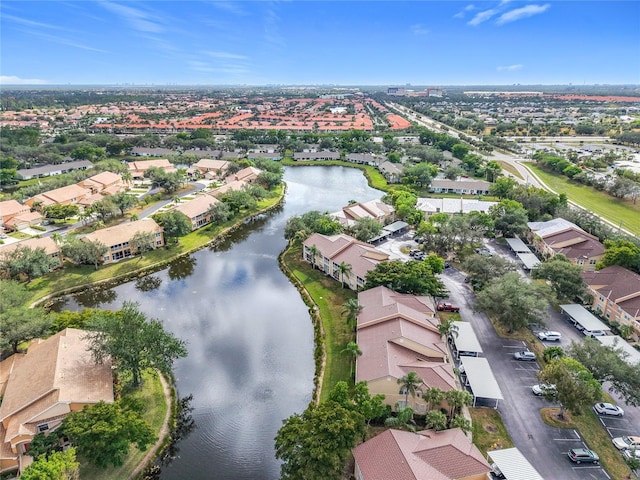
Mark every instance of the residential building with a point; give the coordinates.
(559, 236)
(247, 175)
(460, 187)
(196, 210)
(365, 158)
(55, 377)
(397, 334)
(233, 186)
(138, 168)
(152, 152)
(431, 206)
(50, 247)
(333, 251)
(426, 455)
(274, 156)
(106, 183)
(323, 155)
(615, 295)
(392, 172)
(23, 221)
(10, 209)
(69, 195)
(375, 209)
(50, 170)
(215, 168)
(118, 238)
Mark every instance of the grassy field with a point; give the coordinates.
(511, 169)
(617, 211)
(489, 433)
(152, 395)
(329, 296)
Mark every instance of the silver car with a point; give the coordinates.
(525, 356)
(608, 409)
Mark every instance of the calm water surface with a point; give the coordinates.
(250, 362)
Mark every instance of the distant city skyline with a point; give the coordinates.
(427, 43)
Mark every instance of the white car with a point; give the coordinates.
(626, 442)
(632, 453)
(608, 409)
(542, 388)
(549, 336)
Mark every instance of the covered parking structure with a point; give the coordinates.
(513, 465)
(478, 375)
(581, 317)
(529, 260)
(619, 343)
(464, 339)
(396, 228)
(517, 245)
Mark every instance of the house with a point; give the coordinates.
(69, 195)
(234, 186)
(561, 236)
(151, 152)
(196, 210)
(10, 209)
(375, 209)
(274, 156)
(23, 221)
(50, 170)
(311, 155)
(431, 206)
(50, 247)
(392, 172)
(106, 183)
(138, 169)
(616, 295)
(426, 455)
(461, 187)
(118, 238)
(247, 175)
(333, 251)
(365, 158)
(397, 334)
(215, 168)
(55, 377)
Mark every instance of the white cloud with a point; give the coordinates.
(510, 68)
(233, 56)
(481, 17)
(137, 18)
(14, 80)
(522, 12)
(419, 29)
(463, 12)
(231, 7)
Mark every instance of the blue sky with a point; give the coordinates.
(329, 42)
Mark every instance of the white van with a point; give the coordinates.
(549, 336)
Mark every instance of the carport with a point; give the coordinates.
(517, 245)
(583, 317)
(464, 339)
(396, 228)
(480, 378)
(529, 260)
(513, 465)
(617, 342)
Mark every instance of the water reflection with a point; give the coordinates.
(148, 283)
(181, 267)
(95, 297)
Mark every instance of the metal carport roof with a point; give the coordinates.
(582, 316)
(513, 465)
(395, 226)
(617, 342)
(465, 338)
(518, 245)
(480, 378)
(529, 260)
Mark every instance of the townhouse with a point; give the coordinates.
(431, 206)
(105, 183)
(212, 168)
(9, 209)
(375, 209)
(137, 169)
(313, 155)
(50, 170)
(69, 195)
(196, 210)
(51, 248)
(55, 377)
(615, 293)
(331, 253)
(460, 187)
(118, 238)
(247, 175)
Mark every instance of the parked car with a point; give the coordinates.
(525, 356)
(549, 336)
(583, 455)
(608, 409)
(496, 471)
(3, 235)
(447, 265)
(484, 251)
(626, 442)
(414, 252)
(542, 388)
(447, 307)
(594, 333)
(632, 453)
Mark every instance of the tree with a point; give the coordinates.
(565, 278)
(316, 444)
(411, 384)
(620, 252)
(502, 187)
(575, 386)
(419, 175)
(513, 302)
(105, 208)
(61, 212)
(345, 269)
(456, 400)
(18, 322)
(142, 242)
(461, 422)
(354, 352)
(459, 150)
(174, 223)
(134, 342)
(452, 172)
(103, 432)
(433, 396)
(25, 262)
(124, 201)
(492, 170)
(57, 466)
(447, 327)
(365, 229)
(403, 419)
(87, 152)
(85, 252)
(509, 217)
(219, 212)
(436, 419)
(351, 308)
(414, 277)
(314, 253)
(370, 407)
(551, 353)
(481, 269)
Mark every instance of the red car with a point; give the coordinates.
(447, 307)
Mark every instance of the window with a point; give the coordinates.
(592, 262)
(43, 427)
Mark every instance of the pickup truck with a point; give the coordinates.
(447, 307)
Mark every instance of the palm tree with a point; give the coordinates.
(411, 384)
(133, 217)
(314, 252)
(461, 422)
(176, 199)
(433, 396)
(354, 351)
(56, 237)
(127, 178)
(436, 419)
(457, 399)
(352, 309)
(401, 420)
(447, 327)
(345, 269)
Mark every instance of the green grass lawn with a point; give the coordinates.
(152, 395)
(489, 433)
(615, 210)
